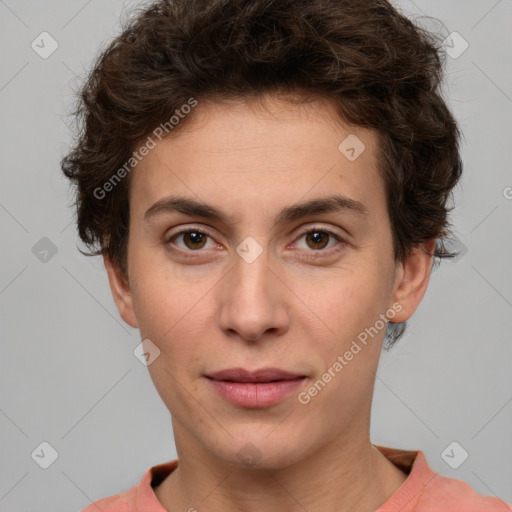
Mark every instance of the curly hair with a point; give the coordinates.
(383, 72)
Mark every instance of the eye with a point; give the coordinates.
(318, 239)
(193, 239)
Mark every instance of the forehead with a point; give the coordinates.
(250, 154)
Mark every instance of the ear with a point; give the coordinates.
(121, 292)
(412, 279)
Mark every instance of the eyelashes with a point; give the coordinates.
(323, 234)
(195, 231)
(194, 241)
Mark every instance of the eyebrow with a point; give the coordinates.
(188, 206)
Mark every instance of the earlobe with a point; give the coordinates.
(413, 279)
(121, 292)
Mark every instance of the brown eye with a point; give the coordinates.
(191, 240)
(194, 239)
(317, 239)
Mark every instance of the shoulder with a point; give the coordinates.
(425, 490)
(140, 497)
(116, 503)
(452, 495)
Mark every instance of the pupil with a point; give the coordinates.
(195, 238)
(318, 237)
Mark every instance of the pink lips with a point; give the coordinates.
(261, 388)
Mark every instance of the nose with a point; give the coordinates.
(252, 301)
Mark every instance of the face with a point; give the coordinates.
(256, 243)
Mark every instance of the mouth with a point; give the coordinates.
(256, 389)
(256, 376)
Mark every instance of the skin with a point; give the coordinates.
(297, 307)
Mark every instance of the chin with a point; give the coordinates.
(274, 451)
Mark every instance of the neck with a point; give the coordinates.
(340, 477)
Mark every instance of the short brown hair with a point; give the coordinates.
(382, 71)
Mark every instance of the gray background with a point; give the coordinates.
(68, 373)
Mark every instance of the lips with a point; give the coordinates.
(246, 376)
(256, 389)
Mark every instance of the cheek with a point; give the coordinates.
(176, 314)
(351, 350)
(164, 295)
(350, 305)
(169, 316)
(348, 299)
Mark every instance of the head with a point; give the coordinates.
(268, 183)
